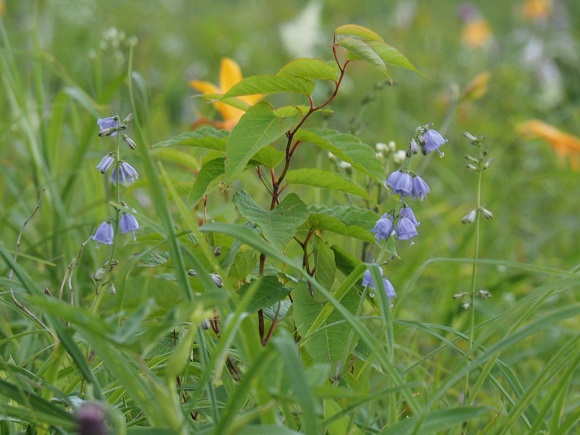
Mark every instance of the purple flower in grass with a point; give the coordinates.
(406, 230)
(400, 183)
(389, 289)
(91, 419)
(407, 213)
(106, 163)
(384, 227)
(124, 173)
(420, 188)
(104, 234)
(431, 141)
(128, 224)
(108, 126)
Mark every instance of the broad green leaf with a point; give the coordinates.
(348, 220)
(278, 225)
(271, 84)
(286, 111)
(325, 179)
(257, 128)
(364, 51)
(328, 343)
(354, 30)
(346, 147)
(269, 291)
(310, 69)
(391, 56)
(325, 265)
(154, 258)
(278, 311)
(204, 137)
(209, 176)
(269, 156)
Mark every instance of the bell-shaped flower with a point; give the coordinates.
(128, 224)
(384, 227)
(389, 289)
(431, 141)
(400, 183)
(106, 163)
(420, 188)
(406, 230)
(108, 126)
(124, 173)
(406, 212)
(104, 234)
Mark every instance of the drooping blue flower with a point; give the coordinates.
(406, 212)
(104, 234)
(406, 230)
(368, 281)
(124, 173)
(384, 227)
(128, 224)
(431, 141)
(400, 183)
(106, 163)
(108, 126)
(420, 188)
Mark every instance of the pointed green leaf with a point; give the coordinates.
(270, 84)
(310, 69)
(209, 176)
(204, 137)
(257, 128)
(363, 51)
(391, 56)
(326, 180)
(325, 265)
(357, 31)
(269, 156)
(278, 225)
(328, 343)
(269, 291)
(350, 220)
(346, 147)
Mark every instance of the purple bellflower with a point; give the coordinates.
(431, 141)
(124, 173)
(420, 188)
(368, 281)
(128, 224)
(406, 212)
(104, 234)
(384, 227)
(406, 230)
(108, 126)
(400, 183)
(106, 163)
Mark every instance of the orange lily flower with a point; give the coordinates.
(566, 146)
(476, 33)
(230, 74)
(537, 9)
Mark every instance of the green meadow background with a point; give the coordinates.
(64, 63)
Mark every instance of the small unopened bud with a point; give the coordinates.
(484, 294)
(469, 217)
(192, 272)
(205, 324)
(413, 147)
(399, 157)
(457, 295)
(217, 280)
(112, 289)
(380, 155)
(381, 147)
(217, 251)
(489, 162)
(471, 158)
(129, 141)
(128, 119)
(345, 165)
(486, 213)
(392, 146)
(470, 136)
(465, 305)
(471, 167)
(107, 131)
(332, 157)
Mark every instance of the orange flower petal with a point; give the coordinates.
(230, 74)
(205, 87)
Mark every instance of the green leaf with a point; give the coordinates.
(390, 55)
(269, 291)
(176, 157)
(278, 225)
(346, 147)
(310, 69)
(269, 157)
(209, 176)
(204, 137)
(326, 180)
(328, 343)
(257, 128)
(364, 51)
(154, 258)
(325, 265)
(357, 31)
(349, 220)
(270, 84)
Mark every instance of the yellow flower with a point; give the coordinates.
(476, 33)
(566, 146)
(537, 9)
(476, 88)
(230, 74)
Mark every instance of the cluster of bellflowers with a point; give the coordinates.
(401, 222)
(122, 173)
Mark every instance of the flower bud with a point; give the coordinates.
(486, 213)
(469, 217)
